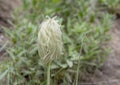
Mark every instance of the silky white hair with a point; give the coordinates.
(50, 40)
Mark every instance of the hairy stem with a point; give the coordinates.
(48, 74)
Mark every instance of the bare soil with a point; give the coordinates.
(110, 74)
(6, 10)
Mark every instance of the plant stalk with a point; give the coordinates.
(48, 74)
(77, 74)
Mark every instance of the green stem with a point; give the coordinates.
(77, 74)
(48, 74)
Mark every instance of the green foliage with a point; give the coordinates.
(85, 38)
(110, 3)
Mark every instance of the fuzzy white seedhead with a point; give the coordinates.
(50, 40)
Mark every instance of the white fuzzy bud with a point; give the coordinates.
(50, 40)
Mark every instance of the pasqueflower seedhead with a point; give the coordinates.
(50, 40)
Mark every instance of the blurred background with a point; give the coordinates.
(91, 30)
